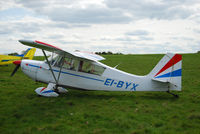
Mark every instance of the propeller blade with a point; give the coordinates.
(15, 70)
(17, 63)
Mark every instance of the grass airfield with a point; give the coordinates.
(97, 112)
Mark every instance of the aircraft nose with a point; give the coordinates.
(17, 62)
(30, 67)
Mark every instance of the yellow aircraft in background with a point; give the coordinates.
(7, 59)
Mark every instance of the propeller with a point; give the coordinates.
(17, 63)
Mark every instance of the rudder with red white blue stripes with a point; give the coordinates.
(169, 69)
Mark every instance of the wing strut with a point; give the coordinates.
(56, 80)
(50, 66)
(61, 68)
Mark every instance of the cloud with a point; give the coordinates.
(137, 33)
(111, 12)
(67, 25)
(5, 30)
(146, 38)
(129, 26)
(183, 38)
(140, 34)
(157, 9)
(89, 15)
(75, 12)
(7, 4)
(197, 31)
(19, 27)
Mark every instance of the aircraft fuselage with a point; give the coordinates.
(111, 80)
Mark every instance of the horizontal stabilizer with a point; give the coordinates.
(160, 80)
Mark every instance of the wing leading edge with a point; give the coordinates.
(51, 48)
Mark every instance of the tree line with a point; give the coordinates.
(108, 53)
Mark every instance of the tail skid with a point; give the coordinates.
(169, 70)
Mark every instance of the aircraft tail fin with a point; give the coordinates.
(169, 70)
(29, 53)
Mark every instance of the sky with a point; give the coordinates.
(125, 26)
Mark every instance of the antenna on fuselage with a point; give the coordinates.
(117, 65)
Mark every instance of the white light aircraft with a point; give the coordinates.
(82, 70)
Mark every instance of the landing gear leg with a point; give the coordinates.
(56, 89)
(59, 90)
(175, 95)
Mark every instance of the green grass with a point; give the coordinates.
(97, 112)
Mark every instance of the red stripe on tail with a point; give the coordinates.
(175, 59)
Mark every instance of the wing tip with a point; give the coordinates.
(25, 41)
(46, 44)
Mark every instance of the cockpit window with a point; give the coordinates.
(79, 65)
(70, 64)
(67, 63)
(58, 62)
(90, 67)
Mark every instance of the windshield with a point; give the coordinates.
(52, 58)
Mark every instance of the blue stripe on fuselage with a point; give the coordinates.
(34, 66)
(79, 75)
(86, 77)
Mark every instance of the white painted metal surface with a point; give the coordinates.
(164, 77)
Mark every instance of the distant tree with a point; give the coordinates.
(13, 54)
(109, 52)
(198, 52)
(118, 53)
(104, 53)
(99, 53)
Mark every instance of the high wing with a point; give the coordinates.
(51, 48)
